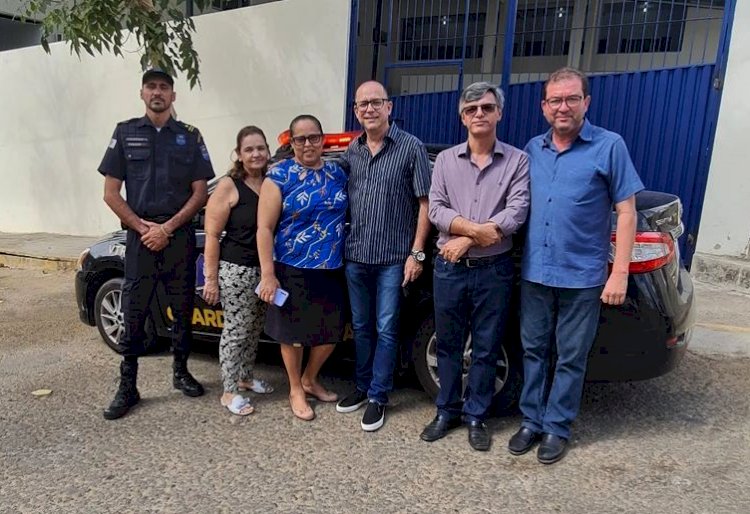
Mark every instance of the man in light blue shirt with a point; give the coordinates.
(578, 172)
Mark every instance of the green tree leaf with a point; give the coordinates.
(162, 32)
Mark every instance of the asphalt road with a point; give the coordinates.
(680, 443)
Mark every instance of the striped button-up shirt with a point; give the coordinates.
(383, 197)
(498, 193)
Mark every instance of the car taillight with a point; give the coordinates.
(330, 141)
(651, 251)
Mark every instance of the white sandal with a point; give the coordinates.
(239, 405)
(259, 386)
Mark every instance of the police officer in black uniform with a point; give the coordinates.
(165, 166)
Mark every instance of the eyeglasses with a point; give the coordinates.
(376, 103)
(473, 109)
(313, 139)
(556, 102)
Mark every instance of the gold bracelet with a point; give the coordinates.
(164, 231)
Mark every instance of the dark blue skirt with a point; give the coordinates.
(315, 311)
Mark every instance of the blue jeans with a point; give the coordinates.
(568, 319)
(375, 298)
(476, 301)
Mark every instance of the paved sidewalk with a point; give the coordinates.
(42, 250)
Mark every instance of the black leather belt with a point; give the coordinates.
(158, 219)
(153, 219)
(477, 262)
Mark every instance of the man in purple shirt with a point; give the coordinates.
(478, 200)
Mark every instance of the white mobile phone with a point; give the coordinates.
(279, 298)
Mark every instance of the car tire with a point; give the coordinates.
(109, 318)
(509, 378)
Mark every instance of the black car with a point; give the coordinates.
(644, 338)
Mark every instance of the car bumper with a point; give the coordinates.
(648, 359)
(648, 335)
(82, 281)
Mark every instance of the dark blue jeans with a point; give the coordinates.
(375, 298)
(470, 301)
(568, 319)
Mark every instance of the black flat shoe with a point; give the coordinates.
(522, 441)
(551, 449)
(479, 436)
(439, 428)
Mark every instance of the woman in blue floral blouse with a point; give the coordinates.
(301, 217)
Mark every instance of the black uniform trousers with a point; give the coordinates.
(174, 267)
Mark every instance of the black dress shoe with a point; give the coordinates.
(439, 428)
(522, 441)
(186, 383)
(479, 436)
(551, 449)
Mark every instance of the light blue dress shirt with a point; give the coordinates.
(572, 196)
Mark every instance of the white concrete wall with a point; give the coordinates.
(261, 65)
(725, 223)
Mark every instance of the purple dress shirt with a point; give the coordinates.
(499, 193)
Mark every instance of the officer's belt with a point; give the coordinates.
(154, 219)
(158, 219)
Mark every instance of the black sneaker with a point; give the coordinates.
(352, 402)
(374, 417)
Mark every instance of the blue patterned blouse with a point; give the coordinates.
(310, 233)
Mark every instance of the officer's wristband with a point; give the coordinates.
(164, 231)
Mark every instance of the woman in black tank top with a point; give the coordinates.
(232, 270)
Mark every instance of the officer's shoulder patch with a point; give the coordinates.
(192, 130)
(204, 153)
(187, 127)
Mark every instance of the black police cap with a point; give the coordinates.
(157, 73)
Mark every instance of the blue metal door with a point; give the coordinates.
(655, 69)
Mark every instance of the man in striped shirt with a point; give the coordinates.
(389, 180)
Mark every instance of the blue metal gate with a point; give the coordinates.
(655, 69)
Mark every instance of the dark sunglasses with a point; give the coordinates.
(486, 109)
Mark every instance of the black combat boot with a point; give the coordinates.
(127, 394)
(183, 380)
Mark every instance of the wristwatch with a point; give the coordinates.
(418, 255)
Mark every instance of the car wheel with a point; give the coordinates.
(109, 318)
(108, 313)
(508, 377)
